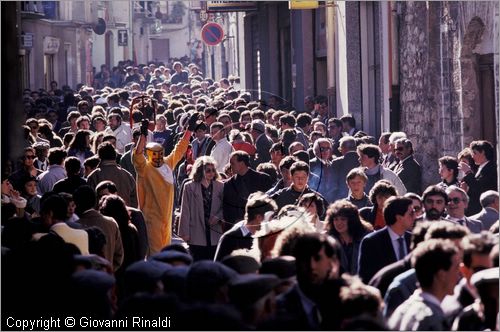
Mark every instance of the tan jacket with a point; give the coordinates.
(192, 222)
(113, 249)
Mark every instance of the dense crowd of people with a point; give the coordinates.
(161, 192)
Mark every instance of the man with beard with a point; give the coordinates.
(119, 129)
(435, 200)
(317, 263)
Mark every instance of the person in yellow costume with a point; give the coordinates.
(155, 183)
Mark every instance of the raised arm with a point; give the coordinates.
(141, 143)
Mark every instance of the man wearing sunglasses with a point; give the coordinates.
(457, 203)
(156, 185)
(408, 169)
(27, 169)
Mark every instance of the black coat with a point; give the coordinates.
(289, 305)
(478, 184)
(289, 196)
(375, 252)
(69, 184)
(232, 240)
(410, 173)
(343, 165)
(263, 145)
(236, 192)
(383, 278)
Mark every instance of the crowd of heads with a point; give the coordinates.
(304, 246)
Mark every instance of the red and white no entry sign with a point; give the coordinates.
(212, 34)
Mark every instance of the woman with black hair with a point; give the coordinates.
(448, 171)
(114, 206)
(348, 228)
(80, 145)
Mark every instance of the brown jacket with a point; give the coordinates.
(192, 222)
(113, 250)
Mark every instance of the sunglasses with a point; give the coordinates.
(210, 170)
(29, 157)
(455, 200)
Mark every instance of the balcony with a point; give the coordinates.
(174, 16)
(32, 10)
(144, 10)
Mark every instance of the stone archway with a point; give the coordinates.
(477, 88)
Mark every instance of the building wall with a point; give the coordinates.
(353, 52)
(440, 92)
(66, 36)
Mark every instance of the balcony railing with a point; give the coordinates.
(144, 10)
(40, 9)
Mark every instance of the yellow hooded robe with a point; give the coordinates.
(156, 195)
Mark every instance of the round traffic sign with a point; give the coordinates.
(212, 34)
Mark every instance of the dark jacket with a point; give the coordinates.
(137, 219)
(410, 172)
(233, 240)
(69, 184)
(369, 214)
(290, 196)
(263, 145)
(383, 278)
(478, 184)
(236, 192)
(343, 165)
(289, 305)
(375, 252)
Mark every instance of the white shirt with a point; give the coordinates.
(123, 136)
(221, 153)
(395, 243)
(166, 173)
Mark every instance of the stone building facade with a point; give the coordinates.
(447, 77)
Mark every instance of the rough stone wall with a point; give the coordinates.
(439, 76)
(419, 99)
(449, 103)
(471, 103)
(353, 49)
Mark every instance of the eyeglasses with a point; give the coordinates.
(29, 157)
(324, 148)
(455, 200)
